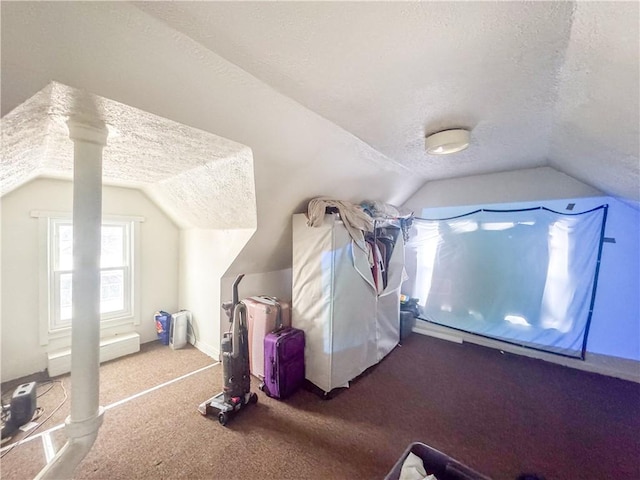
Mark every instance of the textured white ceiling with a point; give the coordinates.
(530, 78)
(184, 169)
(117, 51)
(596, 134)
(334, 98)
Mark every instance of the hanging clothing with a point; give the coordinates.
(377, 265)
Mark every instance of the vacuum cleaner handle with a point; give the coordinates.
(239, 323)
(234, 298)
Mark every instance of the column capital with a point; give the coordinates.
(86, 130)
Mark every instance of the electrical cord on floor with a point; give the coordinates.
(8, 428)
(193, 332)
(6, 399)
(38, 415)
(52, 384)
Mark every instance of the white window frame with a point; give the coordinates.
(49, 277)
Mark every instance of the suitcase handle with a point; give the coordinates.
(275, 300)
(279, 317)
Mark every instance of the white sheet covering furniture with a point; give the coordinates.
(348, 327)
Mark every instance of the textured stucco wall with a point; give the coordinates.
(200, 179)
(597, 115)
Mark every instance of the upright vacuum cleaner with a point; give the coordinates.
(236, 392)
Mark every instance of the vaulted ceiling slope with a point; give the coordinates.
(118, 52)
(540, 83)
(334, 98)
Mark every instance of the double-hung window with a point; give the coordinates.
(119, 275)
(116, 272)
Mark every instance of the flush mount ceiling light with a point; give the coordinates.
(447, 141)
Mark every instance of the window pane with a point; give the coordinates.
(115, 301)
(111, 291)
(65, 296)
(112, 297)
(65, 247)
(113, 253)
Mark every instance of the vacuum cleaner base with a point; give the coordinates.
(225, 409)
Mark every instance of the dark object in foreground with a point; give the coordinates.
(435, 463)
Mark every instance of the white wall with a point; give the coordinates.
(542, 183)
(205, 255)
(22, 353)
(615, 323)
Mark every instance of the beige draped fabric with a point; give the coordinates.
(356, 221)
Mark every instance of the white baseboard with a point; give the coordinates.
(59, 361)
(213, 352)
(603, 364)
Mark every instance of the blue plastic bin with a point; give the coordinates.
(163, 326)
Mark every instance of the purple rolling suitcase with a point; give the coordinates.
(283, 362)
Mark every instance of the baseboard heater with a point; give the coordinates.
(59, 362)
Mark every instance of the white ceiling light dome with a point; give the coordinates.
(447, 141)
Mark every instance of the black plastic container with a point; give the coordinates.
(435, 463)
(407, 322)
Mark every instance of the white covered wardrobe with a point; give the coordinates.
(350, 320)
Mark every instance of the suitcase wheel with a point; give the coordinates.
(253, 398)
(263, 388)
